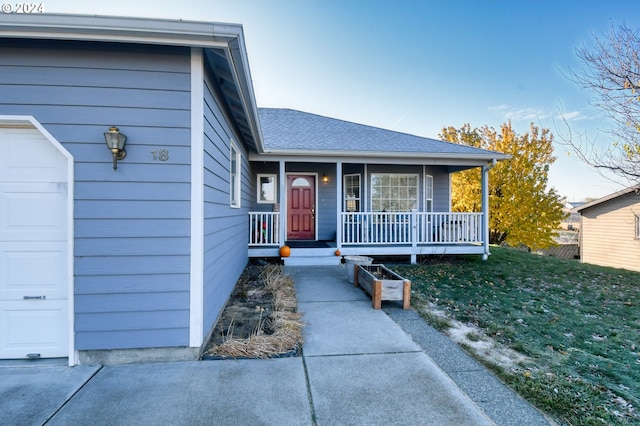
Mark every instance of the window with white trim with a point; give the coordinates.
(235, 174)
(391, 192)
(352, 193)
(428, 193)
(267, 188)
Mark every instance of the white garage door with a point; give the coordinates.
(33, 246)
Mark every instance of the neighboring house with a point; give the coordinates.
(106, 265)
(566, 239)
(610, 230)
(571, 221)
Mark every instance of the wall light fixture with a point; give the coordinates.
(115, 141)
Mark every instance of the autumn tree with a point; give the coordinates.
(523, 210)
(610, 71)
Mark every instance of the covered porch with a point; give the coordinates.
(348, 222)
(324, 184)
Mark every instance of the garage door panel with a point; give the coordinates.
(32, 212)
(30, 268)
(33, 326)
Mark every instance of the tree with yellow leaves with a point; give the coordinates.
(523, 210)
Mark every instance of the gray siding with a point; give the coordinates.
(327, 208)
(131, 225)
(441, 188)
(608, 233)
(226, 229)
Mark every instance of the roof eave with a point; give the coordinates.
(606, 198)
(240, 62)
(119, 29)
(382, 157)
(165, 32)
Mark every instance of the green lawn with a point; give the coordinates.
(578, 324)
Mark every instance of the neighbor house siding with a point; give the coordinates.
(608, 233)
(225, 228)
(131, 225)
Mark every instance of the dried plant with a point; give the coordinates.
(286, 322)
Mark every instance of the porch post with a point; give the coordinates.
(339, 204)
(414, 235)
(485, 208)
(282, 184)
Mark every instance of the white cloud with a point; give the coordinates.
(572, 116)
(499, 108)
(512, 113)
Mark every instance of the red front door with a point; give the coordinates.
(301, 207)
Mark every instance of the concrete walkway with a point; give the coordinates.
(359, 367)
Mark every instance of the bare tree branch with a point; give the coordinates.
(611, 71)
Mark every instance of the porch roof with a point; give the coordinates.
(291, 132)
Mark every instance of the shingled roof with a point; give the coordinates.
(607, 198)
(286, 130)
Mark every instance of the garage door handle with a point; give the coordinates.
(34, 297)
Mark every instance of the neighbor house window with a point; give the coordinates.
(234, 178)
(392, 192)
(352, 193)
(267, 187)
(428, 193)
(638, 226)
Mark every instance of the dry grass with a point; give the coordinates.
(284, 320)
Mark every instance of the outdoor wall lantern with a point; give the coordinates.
(115, 141)
(325, 178)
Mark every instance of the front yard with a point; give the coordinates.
(576, 327)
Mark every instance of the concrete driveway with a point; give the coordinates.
(359, 367)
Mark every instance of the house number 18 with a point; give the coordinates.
(160, 154)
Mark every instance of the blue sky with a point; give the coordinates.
(416, 66)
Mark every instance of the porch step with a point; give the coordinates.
(311, 261)
(312, 257)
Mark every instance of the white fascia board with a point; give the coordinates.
(382, 158)
(239, 61)
(119, 29)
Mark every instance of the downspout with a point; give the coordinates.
(485, 207)
(339, 203)
(282, 191)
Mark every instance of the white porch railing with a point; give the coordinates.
(263, 228)
(404, 228)
(449, 228)
(411, 228)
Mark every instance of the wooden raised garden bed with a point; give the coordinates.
(383, 284)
